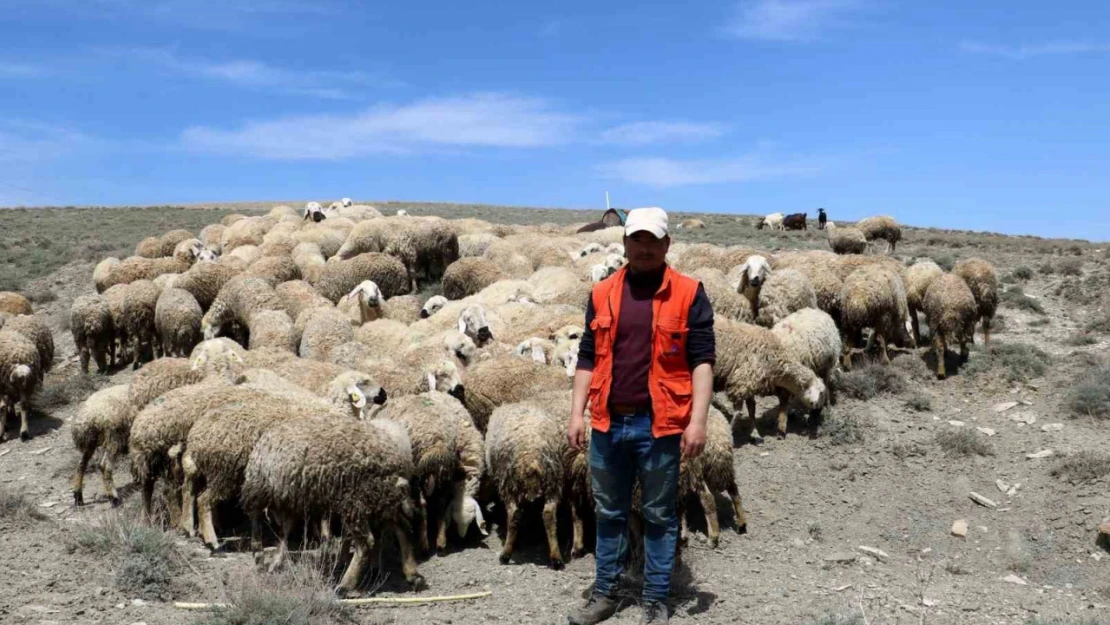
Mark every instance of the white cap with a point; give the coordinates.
(652, 219)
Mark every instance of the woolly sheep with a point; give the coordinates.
(559, 285)
(36, 330)
(150, 247)
(434, 304)
(691, 224)
(90, 322)
(249, 231)
(468, 276)
(590, 248)
(281, 211)
(917, 278)
(712, 472)
(525, 445)
(785, 291)
(136, 268)
(402, 380)
(338, 278)
(20, 374)
(356, 471)
(324, 329)
(424, 247)
(881, 227)
(384, 336)
(103, 421)
(754, 271)
(273, 329)
(363, 304)
(15, 304)
(723, 297)
(403, 308)
(752, 362)
(810, 337)
(346, 391)
(772, 222)
(274, 269)
(846, 264)
(171, 239)
(138, 319)
(599, 272)
(177, 317)
(501, 381)
(240, 298)
(244, 255)
(298, 296)
(875, 298)
(211, 235)
(476, 244)
(536, 250)
(447, 451)
(982, 279)
(846, 240)
(204, 281)
(951, 310)
(102, 273)
(814, 265)
(328, 240)
(605, 236)
(116, 296)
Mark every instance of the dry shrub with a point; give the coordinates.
(144, 557)
(962, 443)
(16, 509)
(870, 381)
(1016, 297)
(63, 391)
(1091, 397)
(1018, 362)
(1084, 466)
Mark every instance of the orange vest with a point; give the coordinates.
(670, 381)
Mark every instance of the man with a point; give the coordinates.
(645, 366)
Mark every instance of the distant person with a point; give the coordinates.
(822, 219)
(645, 366)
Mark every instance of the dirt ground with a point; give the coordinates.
(874, 477)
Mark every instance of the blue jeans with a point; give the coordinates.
(616, 458)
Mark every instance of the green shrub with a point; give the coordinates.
(1018, 362)
(1016, 297)
(920, 402)
(1091, 397)
(1022, 273)
(1070, 267)
(870, 380)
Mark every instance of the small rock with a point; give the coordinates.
(1026, 418)
(39, 452)
(877, 553)
(1002, 486)
(1104, 528)
(1004, 406)
(5, 452)
(841, 557)
(48, 504)
(987, 431)
(959, 528)
(1014, 579)
(958, 424)
(842, 588)
(1044, 453)
(981, 500)
(1052, 427)
(928, 603)
(764, 454)
(1013, 490)
(138, 603)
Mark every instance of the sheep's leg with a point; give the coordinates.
(549, 524)
(963, 350)
(749, 402)
(101, 362)
(188, 504)
(285, 527)
(512, 520)
(441, 532)
(205, 514)
(709, 506)
(408, 559)
(738, 509)
(136, 350)
(422, 526)
(916, 327)
(148, 499)
(847, 355)
(79, 476)
(24, 431)
(325, 527)
(106, 462)
(940, 347)
(83, 352)
(3, 419)
(986, 330)
(578, 548)
(354, 570)
(784, 399)
(878, 336)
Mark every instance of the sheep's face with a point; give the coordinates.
(815, 394)
(367, 293)
(531, 348)
(345, 201)
(755, 272)
(432, 306)
(472, 322)
(210, 330)
(598, 273)
(570, 360)
(445, 378)
(206, 256)
(362, 391)
(19, 372)
(469, 512)
(460, 346)
(614, 262)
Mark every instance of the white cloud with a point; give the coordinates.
(1052, 48)
(666, 172)
(644, 133)
(474, 120)
(788, 20)
(27, 141)
(20, 70)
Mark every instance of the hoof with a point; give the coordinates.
(781, 436)
(742, 529)
(578, 553)
(24, 436)
(941, 376)
(341, 592)
(713, 542)
(557, 565)
(441, 552)
(114, 501)
(506, 558)
(78, 499)
(416, 582)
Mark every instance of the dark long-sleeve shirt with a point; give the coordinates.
(632, 344)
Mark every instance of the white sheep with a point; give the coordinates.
(811, 338)
(772, 222)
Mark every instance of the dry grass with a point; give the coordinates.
(62, 391)
(1016, 362)
(1015, 297)
(960, 443)
(17, 509)
(1084, 466)
(144, 558)
(871, 380)
(1091, 397)
(920, 402)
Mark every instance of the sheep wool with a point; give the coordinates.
(881, 227)
(982, 279)
(469, 275)
(36, 330)
(15, 304)
(785, 291)
(177, 317)
(847, 240)
(493, 383)
(917, 278)
(90, 322)
(875, 298)
(20, 375)
(339, 277)
(103, 420)
(951, 310)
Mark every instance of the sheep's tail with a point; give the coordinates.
(436, 466)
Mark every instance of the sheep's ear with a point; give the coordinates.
(431, 381)
(538, 355)
(357, 397)
(462, 325)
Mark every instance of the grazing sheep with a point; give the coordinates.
(814, 266)
(881, 227)
(327, 240)
(324, 329)
(137, 268)
(503, 381)
(20, 375)
(917, 278)
(102, 273)
(177, 317)
(468, 276)
(138, 318)
(298, 296)
(116, 296)
(249, 231)
(772, 222)
(15, 304)
(171, 239)
(425, 247)
(712, 472)
(694, 257)
(340, 277)
(204, 280)
(810, 337)
(403, 308)
(846, 240)
(274, 269)
(150, 247)
(402, 379)
(356, 471)
(231, 219)
(846, 264)
(434, 304)
(36, 330)
(211, 235)
(752, 362)
(103, 421)
(723, 297)
(785, 291)
(240, 298)
(90, 322)
(951, 310)
(273, 329)
(475, 244)
(447, 450)
(691, 224)
(525, 446)
(875, 298)
(983, 282)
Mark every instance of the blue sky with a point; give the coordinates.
(981, 115)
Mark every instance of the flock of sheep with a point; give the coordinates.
(290, 365)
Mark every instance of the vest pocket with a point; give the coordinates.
(603, 335)
(670, 348)
(679, 395)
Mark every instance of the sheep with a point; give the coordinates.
(368, 301)
(298, 296)
(171, 239)
(917, 278)
(240, 298)
(15, 304)
(138, 319)
(434, 304)
(177, 317)
(328, 240)
(447, 451)
(116, 296)
(344, 390)
(249, 231)
(691, 224)
(951, 310)
(204, 280)
(983, 282)
(244, 256)
(90, 322)
(402, 212)
(403, 308)
(525, 446)
(881, 227)
(599, 272)
(704, 255)
(149, 247)
(786, 291)
(846, 240)
(712, 472)
(537, 251)
(137, 268)
(165, 281)
(102, 273)
(501, 381)
(281, 211)
(468, 276)
(275, 269)
(338, 278)
(723, 297)
(846, 264)
(810, 337)
(772, 222)
(425, 247)
(795, 221)
(559, 285)
(874, 297)
(324, 329)
(103, 420)
(20, 374)
(751, 362)
(211, 235)
(605, 236)
(36, 330)
(475, 244)
(384, 336)
(826, 285)
(754, 272)
(402, 380)
(272, 329)
(231, 219)
(359, 472)
(615, 248)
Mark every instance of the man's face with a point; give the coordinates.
(645, 252)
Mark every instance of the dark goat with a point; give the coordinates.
(797, 221)
(822, 219)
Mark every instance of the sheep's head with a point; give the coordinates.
(206, 256)
(359, 390)
(589, 248)
(444, 377)
(614, 262)
(533, 349)
(598, 272)
(472, 322)
(345, 201)
(754, 272)
(367, 293)
(464, 511)
(461, 347)
(616, 248)
(567, 333)
(815, 394)
(314, 211)
(20, 373)
(402, 212)
(218, 354)
(432, 306)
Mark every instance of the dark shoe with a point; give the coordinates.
(656, 613)
(597, 609)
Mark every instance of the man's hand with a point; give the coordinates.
(576, 432)
(693, 440)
